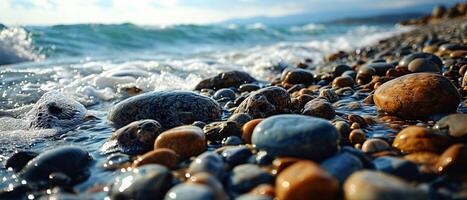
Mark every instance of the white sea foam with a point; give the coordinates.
(16, 46)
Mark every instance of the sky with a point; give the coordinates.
(166, 12)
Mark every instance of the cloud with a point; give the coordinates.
(163, 12)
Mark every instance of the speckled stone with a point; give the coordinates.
(319, 108)
(170, 109)
(297, 136)
(186, 140)
(265, 102)
(417, 96)
(306, 180)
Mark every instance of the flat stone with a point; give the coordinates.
(163, 156)
(297, 136)
(454, 124)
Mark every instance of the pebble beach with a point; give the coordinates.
(386, 121)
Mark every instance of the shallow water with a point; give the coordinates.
(95, 63)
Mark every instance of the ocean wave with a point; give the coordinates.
(16, 45)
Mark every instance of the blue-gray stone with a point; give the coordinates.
(342, 165)
(187, 191)
(297, 136)
(208, 162)
(247, 176)
(234, 156)
(397, 166)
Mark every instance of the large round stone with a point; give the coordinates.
(225, 80)
(169, 108)
(417, 95)
(296, 136)
(265, 102)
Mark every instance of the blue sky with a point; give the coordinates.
(165, 12)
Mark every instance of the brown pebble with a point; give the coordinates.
(247, 129)
(458, 54)
(453, 161)
(355, 125)
(162, 156)
(420, 139)
(342, 81)
(417, 96)
(306, 180)
(357, 136)
(186, 140)
(374, 145)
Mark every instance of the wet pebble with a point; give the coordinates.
(224, 93)
(162, 156)
(296, 135)
(297, 76)
(240, 118)
(19, 159)
(423, 65)
(217, 131)
(52, 161)
(225, 80)
(374, 145)
(170, 109)
(417, 96)
(453, 161)
(186, 140)
(234, 156)
(247, 129)
(397, 166)
(247, 176)
(419, 139)
(146, 182)
(367, 184)
(186, 191)
(319, 108)
(208, 162)
(265, 102)
(342, 165)
(306, 180)
(454, 124)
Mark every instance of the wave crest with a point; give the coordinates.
(16, 45)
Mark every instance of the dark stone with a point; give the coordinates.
(217, 131)
(18, 160)
(409, 58)
(319, 108)
(225, 80)
(224, 93)
(209, 162)
(234, 156)
(265, 102)
(150, 181)
(48, 162)
(397, 166)
(297, 76)
(342, 165)
(232, 140)
(185, 191)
